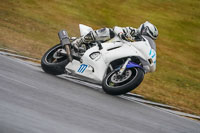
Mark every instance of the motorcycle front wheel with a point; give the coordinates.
(115, 84)
(54, 63)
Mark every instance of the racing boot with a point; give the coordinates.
(77, 43)
(89, 38)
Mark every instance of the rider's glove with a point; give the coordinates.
(129, 33)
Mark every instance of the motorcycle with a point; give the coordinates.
(118, 65)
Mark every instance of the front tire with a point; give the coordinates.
(115, 85)
(52, 65)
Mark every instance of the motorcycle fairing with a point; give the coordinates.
(96, 68)
(132, 64)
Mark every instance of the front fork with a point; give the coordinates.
(123, 68)
(128, 64)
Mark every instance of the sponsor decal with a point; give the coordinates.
(82, 68)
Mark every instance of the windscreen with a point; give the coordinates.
(151, 42)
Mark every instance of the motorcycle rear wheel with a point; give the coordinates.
(53, 64)
(117, 85)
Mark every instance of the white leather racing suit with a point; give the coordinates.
(105, 34)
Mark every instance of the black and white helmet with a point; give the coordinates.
(148, 29)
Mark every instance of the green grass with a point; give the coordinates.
(30, 27)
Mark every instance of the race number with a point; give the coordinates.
(82, 68)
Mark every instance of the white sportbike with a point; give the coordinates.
(118, 65)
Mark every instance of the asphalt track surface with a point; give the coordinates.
(32, 101)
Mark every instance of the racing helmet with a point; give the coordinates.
(148, 29)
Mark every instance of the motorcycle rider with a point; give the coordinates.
(125, 33)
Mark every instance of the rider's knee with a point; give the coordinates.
(104, 34)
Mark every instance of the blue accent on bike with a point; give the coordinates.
(150, 52)
(153, 55)
(82, 68)
(131, 65)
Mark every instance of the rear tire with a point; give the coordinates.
(132, 78)
(49, 65)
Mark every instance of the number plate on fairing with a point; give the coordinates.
(82, 68)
